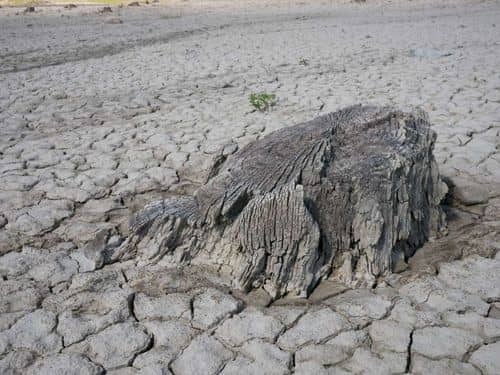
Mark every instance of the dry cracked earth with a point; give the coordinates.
(102, 112)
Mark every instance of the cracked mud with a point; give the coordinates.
(101, 113)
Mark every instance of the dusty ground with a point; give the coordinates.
(102, 112)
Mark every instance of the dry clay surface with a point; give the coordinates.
(103, 112)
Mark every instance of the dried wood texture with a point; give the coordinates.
(346, 194)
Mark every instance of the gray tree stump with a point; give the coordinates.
(346, 194)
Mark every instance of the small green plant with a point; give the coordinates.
(303, 61)
(262, 101)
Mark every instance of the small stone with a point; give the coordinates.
(313, 327)
(249, 324)
(486, 358)
(441, 342)
(67, 364)
(204, 356)
(211, 306)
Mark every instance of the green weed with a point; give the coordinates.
(262, 101)
(303, 61)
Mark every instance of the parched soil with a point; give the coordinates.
(101, 112)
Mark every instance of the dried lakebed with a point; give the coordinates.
(143, 110)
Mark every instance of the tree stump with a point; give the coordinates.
(345, 195)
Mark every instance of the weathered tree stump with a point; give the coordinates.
(345, 194)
